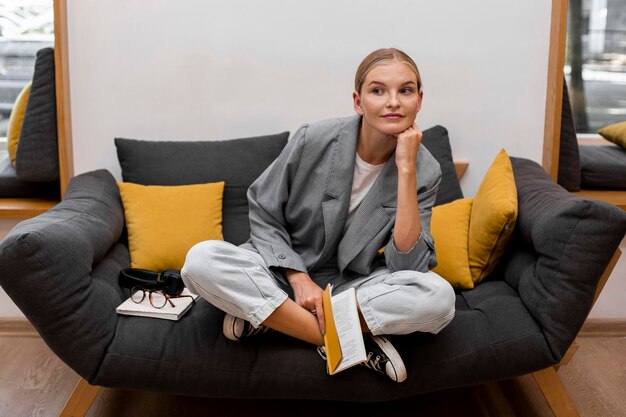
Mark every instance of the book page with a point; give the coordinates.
(348, 329)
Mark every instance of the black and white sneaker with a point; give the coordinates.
(237, 329)
(381, 357)
(384, 358)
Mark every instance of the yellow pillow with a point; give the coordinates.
(164, 222)
(471, 234)
(15, 121)
(615, 133)
(493, 217)
(449, 226)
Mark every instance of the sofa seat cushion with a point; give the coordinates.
(11, 187)
(237, 162)
(603, 166)
(492, 337)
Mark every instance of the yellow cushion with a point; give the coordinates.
(493, 217)
(449, 226)
(15, 121)
(164, 222)
(615, 133)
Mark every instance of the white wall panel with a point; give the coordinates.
(204, 70)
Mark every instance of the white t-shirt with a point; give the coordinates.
(364, 177)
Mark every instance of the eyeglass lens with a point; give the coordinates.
(156, 298)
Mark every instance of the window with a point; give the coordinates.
(595, 62)
(25, 27)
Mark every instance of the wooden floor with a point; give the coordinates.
(34, 382)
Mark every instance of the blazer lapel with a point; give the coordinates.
(339, 185)
(375, 211)
(341, 170)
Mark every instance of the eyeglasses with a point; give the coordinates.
(157, 298)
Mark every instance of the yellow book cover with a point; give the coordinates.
(331, 338)
(343, 338)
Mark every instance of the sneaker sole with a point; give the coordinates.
(228, 327)
(394, 357)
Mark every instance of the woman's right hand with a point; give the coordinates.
(308, 294)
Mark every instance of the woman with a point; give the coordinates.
(342, 191)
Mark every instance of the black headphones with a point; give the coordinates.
(168, 281)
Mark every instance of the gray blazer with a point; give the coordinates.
(299, 206)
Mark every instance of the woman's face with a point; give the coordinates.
(389, 99)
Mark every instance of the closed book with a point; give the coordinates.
(181, 304)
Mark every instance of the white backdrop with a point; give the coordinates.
(205, 70)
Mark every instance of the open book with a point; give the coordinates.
(145, 309)
(343, 338)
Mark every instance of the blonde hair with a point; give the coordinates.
(381, 57)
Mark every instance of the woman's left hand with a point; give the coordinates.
(407, 145)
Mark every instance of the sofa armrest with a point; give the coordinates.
(47, 266)
(561, 246)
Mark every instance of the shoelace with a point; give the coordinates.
(322, 352)
(374, 363)
(252, 331)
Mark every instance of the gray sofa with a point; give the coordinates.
(61, 269)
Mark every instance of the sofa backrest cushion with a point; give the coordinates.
(569, 158)
(237, 162)
(437, 141)
(37, 155)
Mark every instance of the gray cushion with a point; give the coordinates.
(569, 159)
(238, 162)
(37, 157)
(11, 187)
(560, 248)
(603, 166)
(437, 142)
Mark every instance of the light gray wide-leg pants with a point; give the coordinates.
(238, 281)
